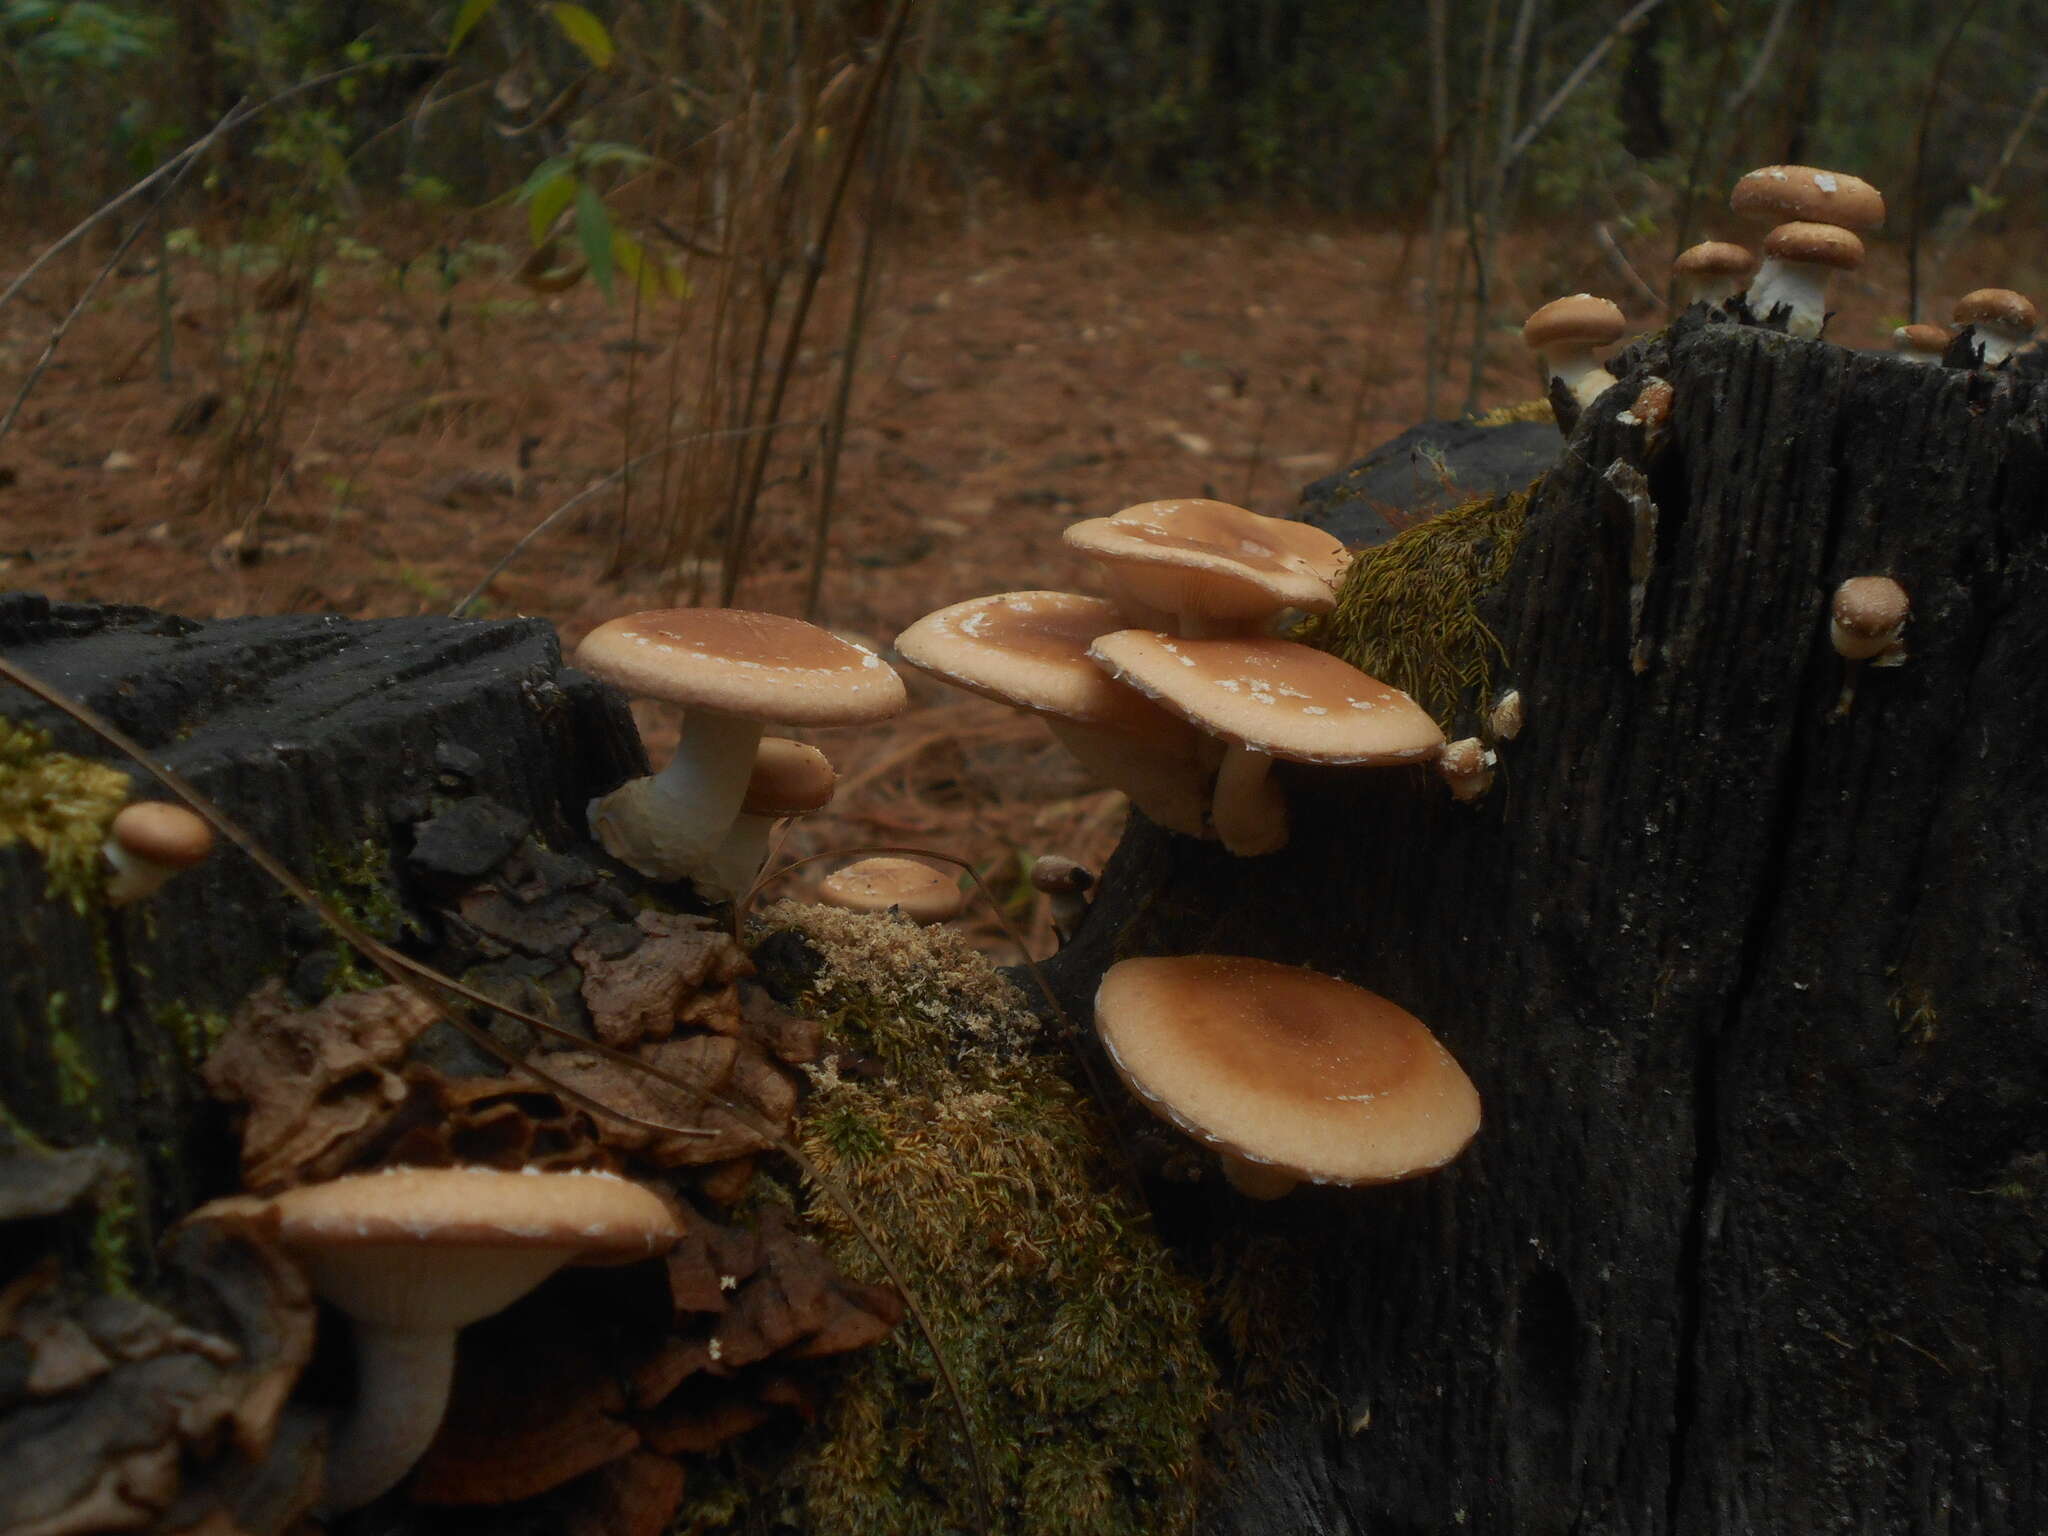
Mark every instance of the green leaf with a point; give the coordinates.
(586, 32)
(609, 153)
(547, 203)
(472, 12)
(594, 234)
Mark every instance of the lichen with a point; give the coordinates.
(992, 1181)
(60, 806)
(1522, 410)
(1408, 612)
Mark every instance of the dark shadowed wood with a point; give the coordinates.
(320, 736)
(1755, 993)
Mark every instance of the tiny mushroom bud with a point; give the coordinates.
(1712, 271)
(1467, 766)
(1921, 343)
(149, 841)
(1867, 617)
(1564, 333)
(1288, 1074)
(879, 884)
(1798, 261)
(1505, 718)
(1065, 883)
(2001, 322)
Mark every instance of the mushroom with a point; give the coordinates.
(1030, 650)
(881, 884)
(1778, 194)
(1711, 272)
(1921, 343)
(1564, 333)
(789, 779)
(1504, 719)
(1467, 765)
(2000, 321)
(1204, 568)
(1065, 883)
(1867, 617)
(414, 1255)
(1289, 1074)
(1265, 699)
(149, 841)
(732, 671)
(1798, 261)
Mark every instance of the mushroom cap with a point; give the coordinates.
(441, 1247)
(1274, 696)
(1932, 339)
(1997, 307)
(1870, 607)
(1820, 245)
(1284, 1066)
(1579, 320)
(1214, 559)
(789, 778)
(1805, 194)
(1714, 258)
(757, 666)
(920, 892)
(160, 832)
(1030, 649)
(1057, 875)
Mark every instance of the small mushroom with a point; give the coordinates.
(1867, 617)
(414, 1255)
(1923, 344)
(1711, 272)
(1504, 720)
(1564, 333)
(1798, 261)
(1467, 766)
(789, 779)
(1065, 883)
(732, 671)
(883, 884)
(1290, 1075)
(149, 841)
(2000, 321)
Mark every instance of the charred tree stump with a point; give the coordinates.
(1754, 988)
(320, 736)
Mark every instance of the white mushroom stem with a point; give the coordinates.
(1579, 371)
(133, 878)
(1249, 811)
(1168, 787)
(1994, 343)
(1257, 1181)
(1800, 286)
(670, 825)
(732, 868)
(402, 1381)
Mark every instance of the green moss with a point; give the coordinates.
(114, 1225)
(359, 882)
(77, 1084)
(993, 1184)
(1522, 410)
(195, 1032)
(1408, 611)
(60, 806)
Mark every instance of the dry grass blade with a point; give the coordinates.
(433, 988)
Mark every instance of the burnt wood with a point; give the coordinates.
(1755, 992)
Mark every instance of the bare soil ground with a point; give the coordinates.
(1041, 364)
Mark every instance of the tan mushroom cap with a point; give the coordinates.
(1213, 560)
(1578, 320)
(1275, 697)
(916, 889)
(1030, 649)
(1283, 1066)
(159, 832)
(1997, 307)
(757, 666)
(1805, 194)
(1931, 339)
(789, 778)
(1714, 258)
(1867, 615)
(1820, 245)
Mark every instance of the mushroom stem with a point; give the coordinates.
(670, 825)
(1799, 286)
(731, 869)
(1168, 787)
(402, 1381)
(1249, 811)
(1580, 372)
(1257, 1181)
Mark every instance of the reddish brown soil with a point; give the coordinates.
(1035, 367)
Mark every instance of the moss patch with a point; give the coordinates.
(1522, 410)
(991, 1180)
(60, 806)
(1408, 612)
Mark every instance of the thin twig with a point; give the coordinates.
(1617, 258)
(1916, 204)
(1629, 21)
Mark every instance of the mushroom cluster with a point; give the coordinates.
(1176, 688)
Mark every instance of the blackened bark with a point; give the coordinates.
(321, 736)
(1755, 993)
